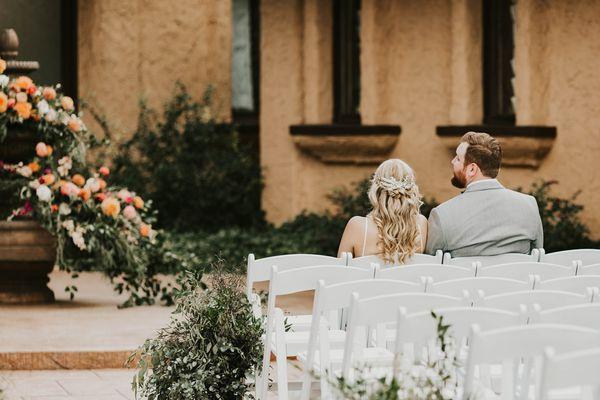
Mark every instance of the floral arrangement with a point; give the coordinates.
(98, 225)
(434, 378)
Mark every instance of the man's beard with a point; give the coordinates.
(459, 181)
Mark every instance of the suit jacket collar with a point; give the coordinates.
(484, 185)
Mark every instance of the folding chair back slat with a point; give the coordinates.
(487, 285)
(415, 273)
(522, 270)
(579, 314)
(578, 368)
(418, 258)
(546, 299)
(580, 284)
(486, 261)
(566, 257)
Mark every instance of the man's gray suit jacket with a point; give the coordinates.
(486, 219)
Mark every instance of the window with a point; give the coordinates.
(346, 61)
(245, 62)
(498, 70)
(47, 33)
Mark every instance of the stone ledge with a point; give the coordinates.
(522, 146)
(346, 144)
(46, 360)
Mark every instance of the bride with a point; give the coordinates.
(393, 230)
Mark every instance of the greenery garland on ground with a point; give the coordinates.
(210, 348)
(98, 224)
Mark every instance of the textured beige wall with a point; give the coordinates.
(134, 48)
(420, 68)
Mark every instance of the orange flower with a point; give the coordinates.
(54, 208)
(34, 167)
(85, 194)
(145, 230)
(2, 65)
(138, 202)
(111, 207)
(68, 189)
(104, 171)
(24, 82)
(102, 183)
(49, 93)
(74, 125)
(78, 180)
(31, 89)
(48, 179)
(67, 103)
(23, 109)
(50, 149)
(3, 102)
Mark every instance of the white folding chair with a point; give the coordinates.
(484, 261)
(582, 284)
(566, 257)
(522, 270)
(260, 271)
(420, 329)
(546, 299)
(509, 345)
(593, 269)
(578, 368)
(579, 314)
(376, 314)
(477, 287)
(417, 273)
(290, 343)
(366, 261)
(330, 299)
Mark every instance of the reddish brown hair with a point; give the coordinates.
(483, 150)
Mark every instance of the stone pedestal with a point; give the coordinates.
(27, 254)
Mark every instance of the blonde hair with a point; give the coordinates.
(396, 201)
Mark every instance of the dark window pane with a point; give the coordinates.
(346, 61)
(498, 53)
(245, 59)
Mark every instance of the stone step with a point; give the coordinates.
(64, 360)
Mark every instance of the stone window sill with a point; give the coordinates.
(522, 146)
(346, 144)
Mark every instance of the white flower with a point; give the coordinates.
(51, 115)
(64, 209)
(69, 225)
(78, 239)
(65, 165)
(25, 171)
(93, 184)
(43, 193)
(3, 81)
(43, 107)
(34, 184)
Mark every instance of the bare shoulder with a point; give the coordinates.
(355, 221)
(422, 221)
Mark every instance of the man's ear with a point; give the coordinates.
(472, 169)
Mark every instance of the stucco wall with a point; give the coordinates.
(420, 68)
(134, 48)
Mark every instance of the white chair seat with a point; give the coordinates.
(299, 322)
(297, 342)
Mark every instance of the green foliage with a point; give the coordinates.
(211, 346)
(195, 169)
(563, 228)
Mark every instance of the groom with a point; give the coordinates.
(486, 218)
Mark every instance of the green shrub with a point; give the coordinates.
(563, 228)
(194, 168)
(209, 349)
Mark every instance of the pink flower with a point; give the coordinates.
(41, 149)
(104, 171)
(129, 212)
(123, 195)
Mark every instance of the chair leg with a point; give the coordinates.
(281, 356)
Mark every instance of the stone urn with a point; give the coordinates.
(27, 254)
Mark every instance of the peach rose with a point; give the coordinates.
(67, 103)
(24, 82)
(102, 183)
(85, 194)
(49, 179)
(49, 93)
(3, 102)
(69, 189)
(129, 212)
(74, 125)
(35, 167)
(41, 149)
(23, 109)
(145, 230)
(111, 207)
(2, 66)
(104, 171)
(78, 180)
(138, 202)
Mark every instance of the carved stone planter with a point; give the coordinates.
(27, 254)
(346, 144)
